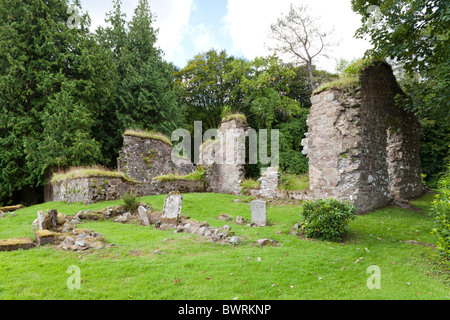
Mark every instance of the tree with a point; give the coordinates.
(145, 96)
(415, 34)
(298, 35)
(207, 86)
(265, 87)
(53, 81)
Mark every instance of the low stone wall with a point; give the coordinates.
(96, 189)
(144, 159)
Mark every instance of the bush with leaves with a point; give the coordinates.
(327, 219)
(130, 202)
(440, 209)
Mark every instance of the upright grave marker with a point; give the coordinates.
(259, 213)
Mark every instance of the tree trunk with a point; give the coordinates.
(311, 76)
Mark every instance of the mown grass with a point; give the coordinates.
(147, 263)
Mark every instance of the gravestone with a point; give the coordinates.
(259, 213)
(172, 210)
(143, 216)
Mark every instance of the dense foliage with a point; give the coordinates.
(415, 35)
(67, 95)
(327, 219)
(53, 82)
(440, 208)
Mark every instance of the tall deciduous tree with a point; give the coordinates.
(299, 36)
(207, 86)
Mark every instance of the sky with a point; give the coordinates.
(190, 27)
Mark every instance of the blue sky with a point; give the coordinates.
(188, 27)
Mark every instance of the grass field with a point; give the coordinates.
(147, 263)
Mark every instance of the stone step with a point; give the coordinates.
(16, 244)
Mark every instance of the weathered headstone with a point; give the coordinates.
(143, 216)
(41, 218)
(259, 213)
(172, 210)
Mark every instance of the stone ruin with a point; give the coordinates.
(224, 157)
(362, 146)
(144, 159)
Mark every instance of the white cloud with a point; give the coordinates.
(248, 23)
(172, 18)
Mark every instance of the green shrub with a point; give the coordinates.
(440, 208)
(327, 219)
(130, 202)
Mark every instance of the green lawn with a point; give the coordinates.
(189, 267)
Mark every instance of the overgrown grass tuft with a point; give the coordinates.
(294, 182)
(240, 117)
(248, 184)
(145, 134)
(88, 172)
(350, 78)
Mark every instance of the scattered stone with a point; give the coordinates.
(240, 220)
(60, 219)
(123, 218)
(259, 213)
(75, 221)
(235, 240)
(265, 242)
(225, 217)
(2, 214)
(68, 243)
(13, 214)
(83, 239)
(226, 227)
(67, 227)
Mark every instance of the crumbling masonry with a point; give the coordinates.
(361, 145)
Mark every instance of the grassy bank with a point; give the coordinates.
(147, 263)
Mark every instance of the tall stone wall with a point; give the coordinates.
(224, 157)
(144, 159)
(361, 145)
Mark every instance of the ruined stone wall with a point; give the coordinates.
(96, 189)
(144, 159)
(225, 158)
(361, 146)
